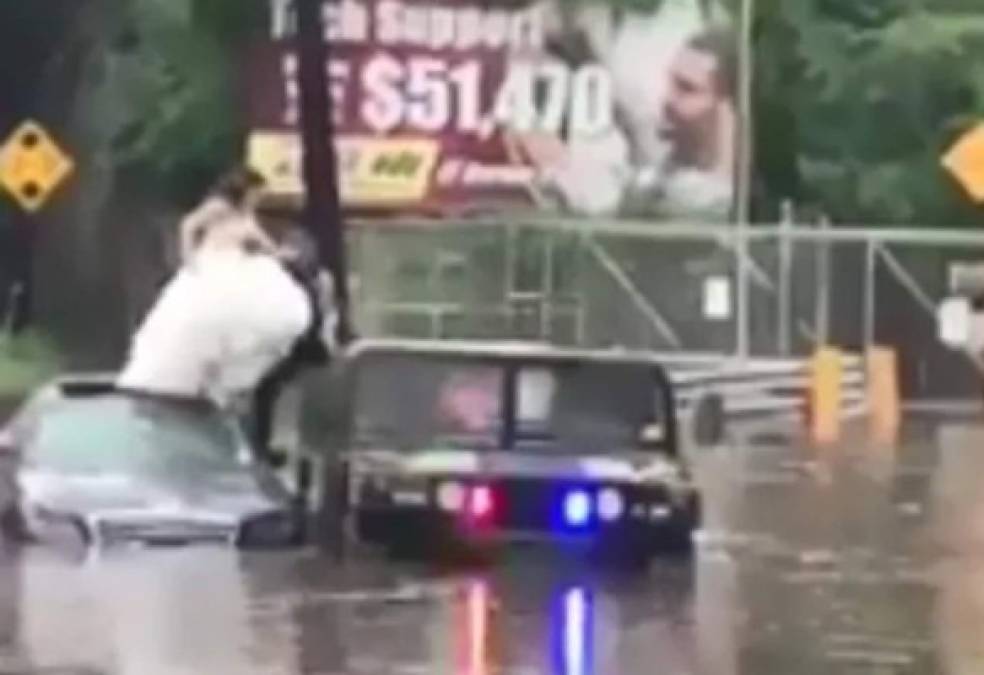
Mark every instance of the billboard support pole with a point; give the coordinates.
(322, 213)
(322, 218)
(743, 176)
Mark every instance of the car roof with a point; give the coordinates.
(501, 349)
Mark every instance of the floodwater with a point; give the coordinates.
(858, 559)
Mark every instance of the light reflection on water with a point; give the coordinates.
(213, 611)
(164, 612)
(474, 630)
(570, 630)
(870, 567)
(575, 619)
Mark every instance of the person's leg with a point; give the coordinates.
(308, 351)
(262, 417)
(265, 405)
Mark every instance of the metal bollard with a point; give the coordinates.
(884, 403)
(824, 404)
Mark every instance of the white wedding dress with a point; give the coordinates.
(217, 328)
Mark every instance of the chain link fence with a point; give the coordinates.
(760, 292)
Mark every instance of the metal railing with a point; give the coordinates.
(757, 386)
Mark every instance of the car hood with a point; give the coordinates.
(225, 497)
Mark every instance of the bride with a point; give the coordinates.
(234, 312)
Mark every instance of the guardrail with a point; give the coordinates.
(761, 386)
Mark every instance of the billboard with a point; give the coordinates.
(465, 106)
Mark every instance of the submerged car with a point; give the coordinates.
(468, 445)
(85, 459)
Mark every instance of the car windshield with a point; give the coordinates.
(110, 434)
(413, 401)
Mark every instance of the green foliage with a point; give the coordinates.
(178, 64)
(875, 94)
(25, 362)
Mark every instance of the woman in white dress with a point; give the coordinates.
(232, 312)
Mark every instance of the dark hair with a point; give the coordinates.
(236, 184)
(721, 43)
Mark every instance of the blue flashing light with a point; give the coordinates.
(577, 508)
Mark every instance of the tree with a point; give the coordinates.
(868, 97)
(179, 81)
(144, 93)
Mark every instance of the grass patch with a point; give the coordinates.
(26, 361)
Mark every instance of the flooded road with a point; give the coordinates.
(857, 559)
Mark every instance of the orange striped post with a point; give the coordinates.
(825, 396)
(884, 399)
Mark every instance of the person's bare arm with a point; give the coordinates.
(194, 228)
(191, 233)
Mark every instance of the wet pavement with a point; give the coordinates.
(859, 559)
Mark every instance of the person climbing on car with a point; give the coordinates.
(242, 190)
(229, 323)
(299, 254)
(227, 219)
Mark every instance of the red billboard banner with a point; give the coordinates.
(458, 106)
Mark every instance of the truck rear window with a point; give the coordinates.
(418, 400)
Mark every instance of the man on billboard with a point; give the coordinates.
(687, 173)
(669, 152)
(700, 125)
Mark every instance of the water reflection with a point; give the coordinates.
(958, 524)
(863, 567)
(573, 630)
(473, 630)
(872, 566)
(195, 611)
(569, 620)
(569, 632)
(155, 612)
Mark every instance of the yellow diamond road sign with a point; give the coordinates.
(965, 161)
(32, 166)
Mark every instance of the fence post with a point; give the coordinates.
(511, 247)
(742, 328)
(870, 264)
(785, 271)
(547, 303)
(822, 271)
(744, 171)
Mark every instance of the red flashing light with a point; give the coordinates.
(481, 502)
